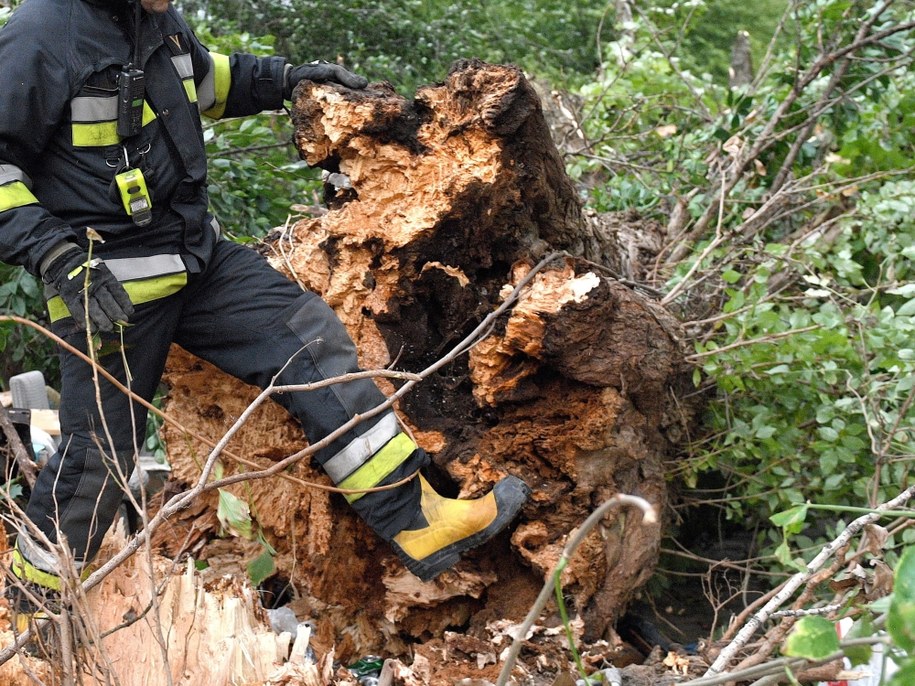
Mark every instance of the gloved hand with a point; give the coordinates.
(108, 301)
(321, 72)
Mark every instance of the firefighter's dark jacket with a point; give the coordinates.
(59, 150)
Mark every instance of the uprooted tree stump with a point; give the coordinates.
(437, 207)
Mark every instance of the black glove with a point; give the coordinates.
(321, 72)
(108, 301)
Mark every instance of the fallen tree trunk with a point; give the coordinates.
(437, 206)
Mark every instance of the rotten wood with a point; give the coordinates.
(212, 630)
(437, 205)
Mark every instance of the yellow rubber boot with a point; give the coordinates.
(446, 528)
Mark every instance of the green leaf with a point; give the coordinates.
(813, 638)
(881, 605)
(261, 568)
(906, 290)
(234, 515)
(827, 433)
(765, 432)
(900, 621)
(791, 520)
(783, 554)
(834, 10)
(730, 276)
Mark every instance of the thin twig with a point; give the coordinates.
(825, 610)
(766, 138)
(769, 338)
(746, 633)
(780, 664)
(718, 240)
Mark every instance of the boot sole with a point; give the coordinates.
(511, 494)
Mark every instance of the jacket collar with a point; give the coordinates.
(150, 34)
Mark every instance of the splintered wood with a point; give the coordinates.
(437, 207)
(198, 631)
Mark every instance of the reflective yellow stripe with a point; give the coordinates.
(140, 291)
(145, 290)
(385, 461)
(222, 81)
(15, 194)
(102, 133)
(26, 571)
(190, 89)
(56, 309)
(95, 135)
(148, 114)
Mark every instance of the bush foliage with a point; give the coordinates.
(790, 259)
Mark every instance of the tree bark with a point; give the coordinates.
(740, 72)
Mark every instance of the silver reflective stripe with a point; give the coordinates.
(55, 252)
(184, 65)
(10, 173)
(85, 109)
(206, 91)
(217, 229)
(361, 449)
(130, 268)
(37, 556)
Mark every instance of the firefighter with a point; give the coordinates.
(103, 195)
